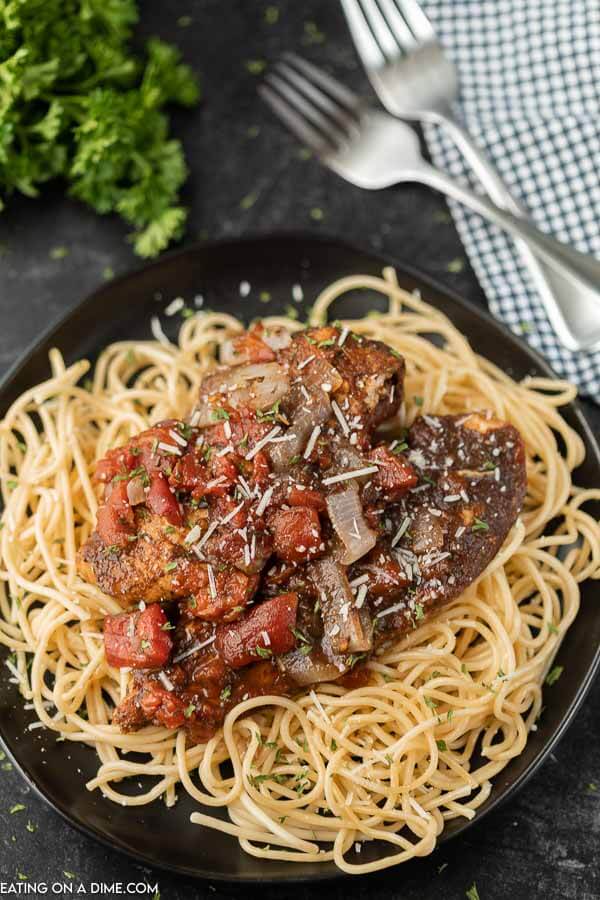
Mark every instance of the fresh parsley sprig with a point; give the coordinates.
(76, 103)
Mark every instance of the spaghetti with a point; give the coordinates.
(323, 775)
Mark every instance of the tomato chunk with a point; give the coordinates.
(296, 533)
(162, 502)
(314, 499)
(395, 476)
(265, 631)
(137, 639)
(116, 520)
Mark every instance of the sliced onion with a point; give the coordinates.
(228, 356)
(277, 338)
(346, 514)
(135, 491)
(310, 668)
(320, 372)
(256, 386)
(347, 629)
(308, 414)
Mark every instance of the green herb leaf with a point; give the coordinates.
(480, 525)
(441, 745)
(472, 893)
(80, 105)
(553, 675)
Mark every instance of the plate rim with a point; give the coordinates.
(303, 238)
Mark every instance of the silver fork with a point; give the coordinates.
(414, 79)
(373, 150)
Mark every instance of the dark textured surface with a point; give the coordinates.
(545, 844)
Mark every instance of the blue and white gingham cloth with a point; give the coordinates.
(529, 74)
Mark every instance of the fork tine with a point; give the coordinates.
(331, 85)
(295, 121)
(416, 19)
(323, 101)
(365, 43)
(379, 27)
(398, 25)
(306, 107)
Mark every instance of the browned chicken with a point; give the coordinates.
(278, 537)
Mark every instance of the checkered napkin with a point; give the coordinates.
(529, 75)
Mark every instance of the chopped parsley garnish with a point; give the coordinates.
(255, 780)
(300, 636)
(430, 702)
(169, 529)
(269, 415)
(18, 807)
(226, 692)
(185, 430)
(480, 525)
(12, 484)
(189, 710)
(552, 628)
(295, 459)
(167, 627)
(441, 745)
(219, 414)
(264, 652)
(170, 566)
(112, 549)
(31, 827)
(488, 466)
(418, 401)
(400, 448)
(472, 893)
(328, 342)
(354, 658)
(449, 715)
(553, 675)
(145, 645)
(419, 612)
(333, 745)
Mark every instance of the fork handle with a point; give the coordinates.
(571, 314)
(581, 269)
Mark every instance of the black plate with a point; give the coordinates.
(122, 309)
